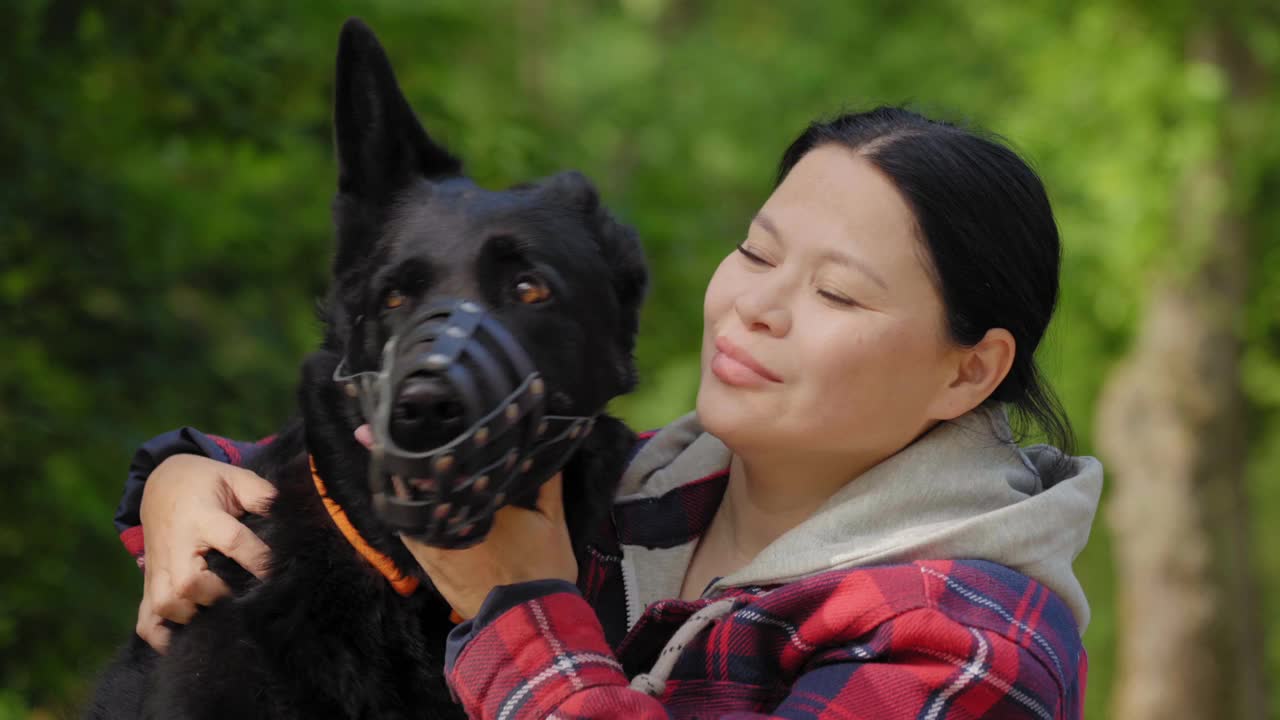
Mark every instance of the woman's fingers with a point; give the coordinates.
(163, 599)
(203, 587)
(176, 599)
(250, 492)
(151, 628)
(364, 436)
(232, 538)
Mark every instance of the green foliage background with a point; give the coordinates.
(164, 221)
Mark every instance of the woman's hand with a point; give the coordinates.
(189, 507)
(522, 545)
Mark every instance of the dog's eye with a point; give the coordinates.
(531, 289)
(393, 299)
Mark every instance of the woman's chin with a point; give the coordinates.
(730, 416)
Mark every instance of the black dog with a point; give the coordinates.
(326, 635)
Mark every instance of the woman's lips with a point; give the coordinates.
(735, 366)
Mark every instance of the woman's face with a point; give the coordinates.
(823, 333)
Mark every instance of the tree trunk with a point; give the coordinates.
(1171, 427)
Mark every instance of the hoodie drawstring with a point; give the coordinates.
(654, 682)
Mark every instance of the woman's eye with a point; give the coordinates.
(531, 289)
(393, 299)
(751, 256)
(837, 298)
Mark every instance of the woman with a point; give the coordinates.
(844, 527)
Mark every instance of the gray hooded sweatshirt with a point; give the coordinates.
(964, 490)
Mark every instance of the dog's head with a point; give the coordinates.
(544, 259)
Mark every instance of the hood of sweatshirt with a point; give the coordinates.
(964, 490)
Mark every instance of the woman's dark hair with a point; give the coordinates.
(984, 218)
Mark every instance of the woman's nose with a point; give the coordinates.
(763, 308)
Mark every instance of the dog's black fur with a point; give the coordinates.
(325, 635)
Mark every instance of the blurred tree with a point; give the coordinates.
(1173, 422)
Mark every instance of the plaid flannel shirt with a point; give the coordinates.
(944, 639)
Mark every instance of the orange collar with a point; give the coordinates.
(404, 584)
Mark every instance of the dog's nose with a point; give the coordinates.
(426, 414)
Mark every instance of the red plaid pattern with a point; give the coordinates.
(946, 639)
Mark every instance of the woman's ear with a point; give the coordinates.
(975, 372)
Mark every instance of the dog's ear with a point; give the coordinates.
(381, 146)
(619, 245)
